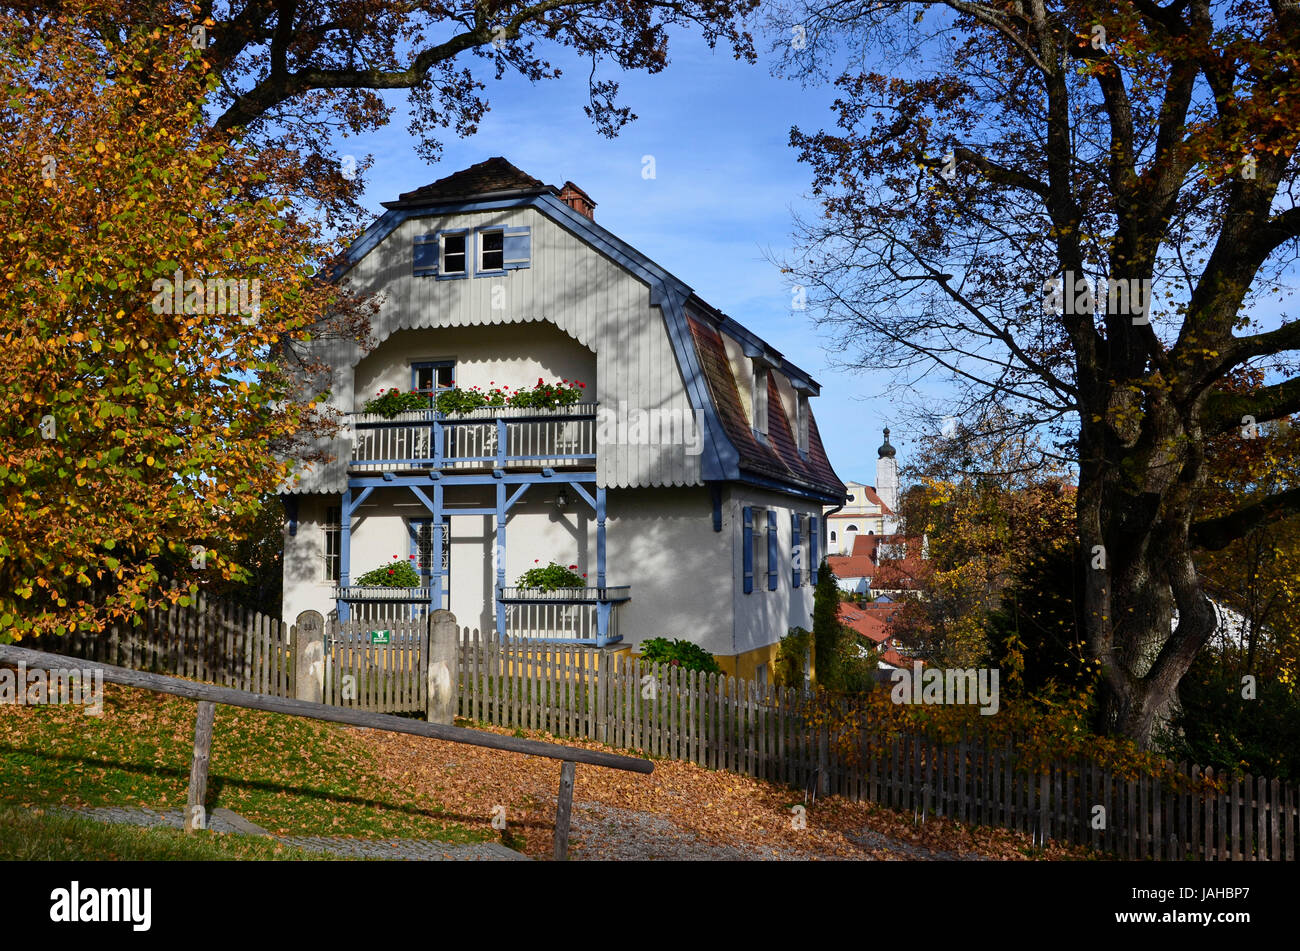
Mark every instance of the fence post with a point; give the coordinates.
(195, 814)
(441, 672)
(563, 810)
(309, 657)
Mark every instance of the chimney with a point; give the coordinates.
(578, 200)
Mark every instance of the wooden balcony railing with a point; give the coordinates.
(566, 614)
(487, 438)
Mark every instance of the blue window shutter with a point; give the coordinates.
(771, 551)
(424, 255)
(796, 555)
(748, 548)
(814, 527)
(518, 248)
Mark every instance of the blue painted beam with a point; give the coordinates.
(508, 478)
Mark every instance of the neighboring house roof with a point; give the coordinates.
(869, 620)
(872, 622)
(731, 452)
(777, 456)
(886, 573)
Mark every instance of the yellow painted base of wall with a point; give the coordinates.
(745, 666)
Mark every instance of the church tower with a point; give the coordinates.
(887, 481)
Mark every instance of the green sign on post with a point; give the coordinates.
(381, 637)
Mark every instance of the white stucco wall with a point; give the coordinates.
(763, 617)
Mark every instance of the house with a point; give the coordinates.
(867, 509)
(872, 623)
(683, 479)
(882, 565)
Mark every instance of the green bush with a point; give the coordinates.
(679, 653)
(551, 577)
(788, 668)
(400, 574)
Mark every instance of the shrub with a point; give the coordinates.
(399, 574)
(551, 577)
(679, 653)
(788, 668)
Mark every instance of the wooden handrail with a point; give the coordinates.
(162, 683)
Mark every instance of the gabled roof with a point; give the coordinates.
(495, 176)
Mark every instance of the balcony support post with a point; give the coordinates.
(345, 549)
(499, 556)
(435, 569)
(600, 536)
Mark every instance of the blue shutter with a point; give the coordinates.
(518, 248)
(424, 255)
(796, 556)
(814, 529)
(771, 550)
(748, 549)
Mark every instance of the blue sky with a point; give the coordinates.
(726, 186)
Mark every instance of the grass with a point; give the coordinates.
(289, 775)
(37, 836)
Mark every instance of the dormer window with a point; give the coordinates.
(760, 397)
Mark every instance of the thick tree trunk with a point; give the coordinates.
(1134, 516)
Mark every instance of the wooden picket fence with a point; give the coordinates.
(765, 732)
(210, 640)
(723, 723)
(366, 673)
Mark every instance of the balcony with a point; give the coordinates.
(566, 614)
(482, 439)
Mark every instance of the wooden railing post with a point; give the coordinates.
(563, 811)
(441, 673)
(309, 657)
(195, 801)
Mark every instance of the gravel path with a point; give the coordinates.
(409, 850)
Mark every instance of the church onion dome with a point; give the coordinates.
(886, 451)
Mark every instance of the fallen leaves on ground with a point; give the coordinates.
(752, 816)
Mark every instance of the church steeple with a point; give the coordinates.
(886, 451)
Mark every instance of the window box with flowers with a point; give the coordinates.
(397, 581)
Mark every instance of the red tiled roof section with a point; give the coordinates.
(870, 492)
(780, 460)
(872, 621)
(492, 175)
(888, 573)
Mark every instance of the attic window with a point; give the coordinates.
(453, 254)
(491, 251)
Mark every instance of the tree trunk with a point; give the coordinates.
(1138, 571)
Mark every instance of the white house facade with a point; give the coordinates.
(687, 483)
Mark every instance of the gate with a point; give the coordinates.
(377, 665)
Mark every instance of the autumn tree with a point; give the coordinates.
(1080, 212)
(985, 506)
(148, 299)
(293, 75)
